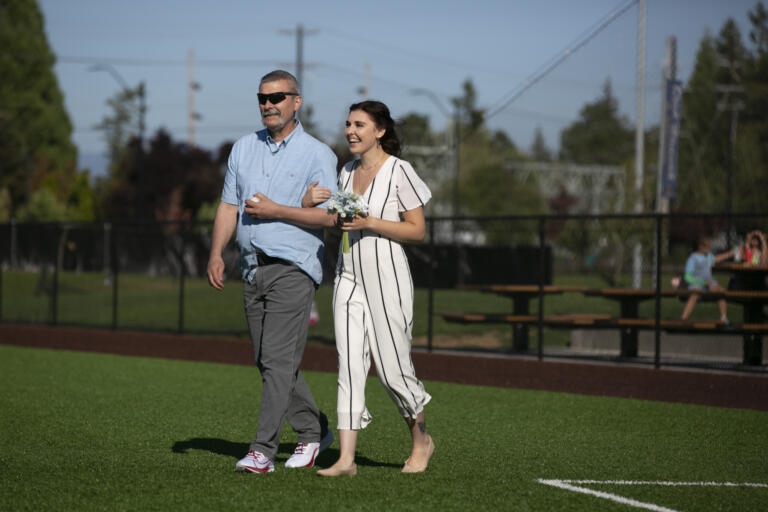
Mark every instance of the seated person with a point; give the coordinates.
(698, 276)
(754, 250)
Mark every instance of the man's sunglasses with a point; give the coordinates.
(274, 97)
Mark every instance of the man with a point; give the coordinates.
(281, 247)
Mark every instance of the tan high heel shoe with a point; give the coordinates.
(335, 471)
(410, 467)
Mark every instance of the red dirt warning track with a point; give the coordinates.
(695, 387)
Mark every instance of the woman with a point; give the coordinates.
(373, 290)
(754, 251)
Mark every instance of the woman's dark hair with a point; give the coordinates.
(379, 112)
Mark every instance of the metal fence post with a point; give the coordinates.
(55, 278)
(431, 292)
(540, 333)
(182, 273)
(657, 320)
(14, 244)
(115, 268)
(107, 226)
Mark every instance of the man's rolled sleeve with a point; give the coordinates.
(229, 191)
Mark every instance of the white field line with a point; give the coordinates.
(569, 486)
(672, 484)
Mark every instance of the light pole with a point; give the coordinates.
(456, 144)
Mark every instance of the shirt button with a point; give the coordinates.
(267, 175)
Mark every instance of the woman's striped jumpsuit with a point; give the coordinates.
(373, 300)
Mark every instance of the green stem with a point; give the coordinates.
(345, 243)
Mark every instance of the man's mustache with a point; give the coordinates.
(272, 111)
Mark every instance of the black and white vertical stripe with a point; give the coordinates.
(373, 300)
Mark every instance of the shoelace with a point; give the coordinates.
(258, 457)
(300, 448)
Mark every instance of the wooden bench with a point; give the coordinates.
(569, 320)
(628, 322)
(487, 318)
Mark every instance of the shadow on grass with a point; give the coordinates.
(238, 450)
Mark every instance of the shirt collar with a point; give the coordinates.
(274, 147)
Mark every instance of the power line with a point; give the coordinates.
(342, 69)
(555, 61)
(127, 61)
(408, 52)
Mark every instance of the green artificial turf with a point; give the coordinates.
(82, 431)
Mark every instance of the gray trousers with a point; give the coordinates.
(277, 307)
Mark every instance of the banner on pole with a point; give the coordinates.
(672, 135)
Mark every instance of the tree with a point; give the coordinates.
(471, 118)
(171, 184)
(414, 130)
(600, 135)
(35, 129)
(539, 150)
(723, 68)
(122, 123)
(307, 120)
(752, 146)
(486, 186)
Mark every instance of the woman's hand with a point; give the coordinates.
(315, 195)
(356, 223)
(410, 229)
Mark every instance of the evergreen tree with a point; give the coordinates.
(724, 76)
(486, 186)
(35, 146)
(539, 150)
(600, 135)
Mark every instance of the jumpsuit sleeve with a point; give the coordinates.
(412, 192)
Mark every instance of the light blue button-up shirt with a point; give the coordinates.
(282, 171)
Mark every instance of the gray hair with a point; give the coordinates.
(279, 74)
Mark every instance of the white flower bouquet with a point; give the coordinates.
(347, 205)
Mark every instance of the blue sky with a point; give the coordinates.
(430, 44)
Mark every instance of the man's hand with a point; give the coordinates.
(315, 195)
(261, 207)
(216, 272)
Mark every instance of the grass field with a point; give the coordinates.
(153, 303)
(82, 431)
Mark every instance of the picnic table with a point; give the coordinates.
(521, 295)
(753, 297)
(629, 322)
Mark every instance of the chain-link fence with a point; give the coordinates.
(586, 286)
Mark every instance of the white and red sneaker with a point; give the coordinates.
(305, 453)
(255, 462)
(303, 456)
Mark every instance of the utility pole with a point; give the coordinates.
(732, 103)
(639, 138)
(192, 86)
(300, 32)
(365, 89)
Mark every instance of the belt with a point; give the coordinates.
(264, 259)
